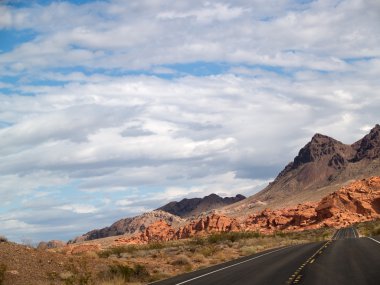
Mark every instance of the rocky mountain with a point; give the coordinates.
(322, 166)
(195, 206)
(128, 226)
(357, 202)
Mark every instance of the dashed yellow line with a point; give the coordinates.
(296, 276)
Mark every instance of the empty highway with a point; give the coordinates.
(346, 259)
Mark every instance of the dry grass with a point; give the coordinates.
(3, 269)
(371, 228)
(139, 264)
(176, 257)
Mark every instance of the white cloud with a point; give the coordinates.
(78, 208)
(81, 122)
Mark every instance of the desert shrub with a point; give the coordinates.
(197, 241)
(215, 238)
(371, 228)
(123, 271)
(113, 281)
(208, 250)
(117, 250)
(139, 272)
(231, 236)
(248, 250)
(3, 269)
(199, 258)
(280, 234)
(155, 245)
(3, 239)
(220, 256)
(181, 260)
(376, 231)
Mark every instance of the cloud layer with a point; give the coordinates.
(112, 108)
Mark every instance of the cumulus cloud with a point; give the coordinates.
(112, 108)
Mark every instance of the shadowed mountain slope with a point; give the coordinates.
(195, 206)
(322, 166)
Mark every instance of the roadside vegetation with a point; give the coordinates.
(162, 260)
(371, 228)
(141, 264)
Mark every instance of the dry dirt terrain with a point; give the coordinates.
(136, 264)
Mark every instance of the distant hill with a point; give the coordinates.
(322, 166)
(132, 225)
(196, 206)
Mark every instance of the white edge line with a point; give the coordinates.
(232, 265)
(353, 231)
(374, 239)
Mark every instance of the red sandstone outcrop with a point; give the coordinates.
(208, 224)
(360, 201)
(161, 231)
(130, 226)
(357, 202)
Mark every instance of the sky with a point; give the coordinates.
(109, 109)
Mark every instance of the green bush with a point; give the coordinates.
(197, 241)
(154, 245)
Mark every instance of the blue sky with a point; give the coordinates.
(112, 108)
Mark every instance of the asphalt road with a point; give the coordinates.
(346, 259)
(349, 232)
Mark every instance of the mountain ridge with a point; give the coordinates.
(194, 206)
(138, 224)
(321, 167)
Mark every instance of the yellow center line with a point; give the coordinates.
(296, 277)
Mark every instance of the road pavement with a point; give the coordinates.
(346, 259)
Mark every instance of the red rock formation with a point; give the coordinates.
(161, 231)
(357, 202)
(209, 224)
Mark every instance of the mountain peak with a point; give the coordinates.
(194, 206)
(369, 146)
(319, 136)
(320, 146)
